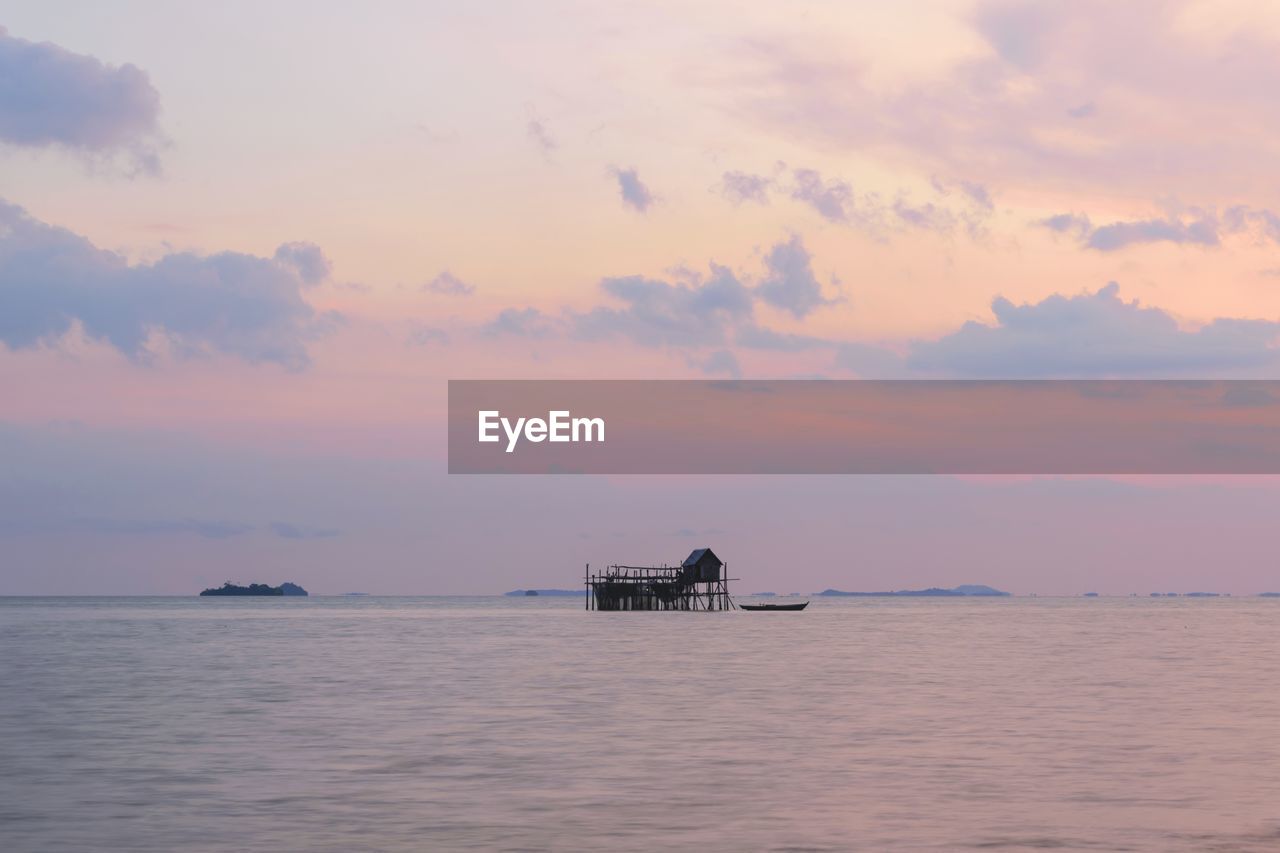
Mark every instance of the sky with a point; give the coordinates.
(244, 246)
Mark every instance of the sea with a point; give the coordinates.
(497, 723)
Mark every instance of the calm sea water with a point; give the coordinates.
(489, 723)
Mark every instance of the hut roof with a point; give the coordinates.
(701, 557)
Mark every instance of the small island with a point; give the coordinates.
(962, 590)
(530, 592)
(229, 588)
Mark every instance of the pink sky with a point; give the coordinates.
(242, 249)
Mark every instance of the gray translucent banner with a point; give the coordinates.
(864, 427)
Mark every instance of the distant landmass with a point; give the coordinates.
(546, 592)
(229, 588)
(970, 589)
(1269, 595)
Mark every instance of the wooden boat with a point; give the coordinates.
(801, 606)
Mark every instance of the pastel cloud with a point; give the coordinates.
(633, 191)
(51, 96)
(1117, 235)
(790, 283)
(926, 217)
(540, 137)
(656, 312)
(448, 284)
(833, 199)
(520, 322)
(1057, 98)
(230, 303)
(1097, 334)
(836, 201)
(693, 312)
(743, 187)
(712, 319)
(306, 259)
(1201, 228)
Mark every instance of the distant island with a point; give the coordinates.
(962, 590)
(546, 592)
(229, 588)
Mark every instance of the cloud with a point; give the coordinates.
(235, 304)
(1077, 225)
(978, 194)
(449, 284)
(790, 283)
(634, 193)
(1200, 228)
(306, 259)
(1018, 31)
(539, 136)
(1118, 235)
(1165, 102)
(658, 313)
(743, 187)
(924, 217)
(977, 207)
(693, 311)
(1264, 222)
(285, 530)
(833, 200)
(1096, 334)
(520, 322)
(51, 96)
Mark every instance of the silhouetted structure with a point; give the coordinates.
(701, 582)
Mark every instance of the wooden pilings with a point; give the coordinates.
(655, 588)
